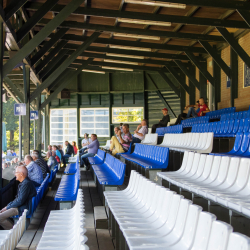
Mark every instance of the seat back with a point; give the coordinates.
(101, 154)
(246, 125)
(118, 168)
(109, 160)
(238, 241)
(240, 115)
(207, 167)
(236, 126)
(238, 141)
(244, 143)
(226, 126)
(150, 139)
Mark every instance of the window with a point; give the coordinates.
(127, 115)
(63, 126)
(95, 121)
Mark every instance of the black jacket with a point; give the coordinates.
(70, 150)
(164, 121)
(26, 190)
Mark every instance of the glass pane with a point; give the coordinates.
(88, 131)
(69, 125)
(101, 125)
(87, 118)
(71, 138)
(56, 119)
(72, 132)
(66, 132)
(70, 112)
(56, 125)
(120, 118)
(120, 111)
(102, 132)
(101, 118)
(134, 118)
(87, 112)
(56, 112)
(69, 119)
(137, 111)
(56, 142)
(87, 125)
(56, 131)
(57, 138)
(102, 112)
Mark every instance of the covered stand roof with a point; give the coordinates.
(59, 39)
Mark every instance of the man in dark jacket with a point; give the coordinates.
(69, 151)
(163, 122)
(26, 190)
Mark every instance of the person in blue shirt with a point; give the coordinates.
(55, 148)
(26, 190)
(13, 153)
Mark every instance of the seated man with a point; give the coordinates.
(121, 145)
(85, 142)
(60, 149)
(41, 163)
(34, 171)
(163, 122)
(92, 149)
(52, 162)
(203, 108)
(140, 132)
(26, 190)
(49, 148)
(69, 151)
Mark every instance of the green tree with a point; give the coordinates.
(12, 122)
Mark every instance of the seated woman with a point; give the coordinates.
(75, 147)
(52, 162)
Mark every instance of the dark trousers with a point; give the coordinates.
(155, 126)
(136, 140)
(180, 118)
(66, 156)
(82, 151)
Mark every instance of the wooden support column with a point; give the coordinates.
(203, 82)
(234, 76)
(26, 120)
(2, 40)
(191, 85)
(145, 98)
(217, 87)
(47, 130)
(39, 126)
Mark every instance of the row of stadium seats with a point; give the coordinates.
(65, 229)
(198, 142)
(152, 217)
(218, 113)
(171, 129)
(236, 115)
(224, 180)
(190, 122)
(228, 128)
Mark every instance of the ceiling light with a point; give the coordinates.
(137, 36)
(93, 71)
(118, 61)
(104, 67)
(129, 48)
(127, 56)
(157, 3)
(126, 20)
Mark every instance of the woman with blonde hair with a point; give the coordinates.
(75, 147)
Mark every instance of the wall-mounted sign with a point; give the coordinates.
(19, 109)
(246, 76)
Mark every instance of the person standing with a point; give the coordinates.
(163, 122)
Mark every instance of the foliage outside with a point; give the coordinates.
(131, 115)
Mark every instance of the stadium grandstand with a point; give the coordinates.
(125, 125)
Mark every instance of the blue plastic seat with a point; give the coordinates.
(71, 168)
(210, 127)
(217, 131)
(246, 125)
(222, 126)
(214, 126)
(226, 127)
(98, 158)
(244, 144)
(241, 125)
(240, 115)
(245, 114)
(160, 131)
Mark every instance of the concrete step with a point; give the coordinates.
(101, 219)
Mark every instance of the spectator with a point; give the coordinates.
(121, 127)
(55, 148)
(49, 148)
(121, 145)
(85, 142)
(23, 200)
(140, 132)
(92, 149)
(41, 163)
(75, 147)
(183, 115)
(56, 157)
(34, 171)
(69, 151)
(60, 148)
(9, 152)
(52, 162)
(13, 152)
(3, 154)
(163, 122)
(203, 109)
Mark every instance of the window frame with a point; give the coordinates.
(80, 120)
(137, 122)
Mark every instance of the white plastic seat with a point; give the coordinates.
(150, 139)
(238, 241)
(107, 145)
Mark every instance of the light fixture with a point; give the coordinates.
(104, 67)
(157, 3)
(127, 20)
(127, 56)
(93, 71)
(137, 36)
(129, 48)
(118, 61)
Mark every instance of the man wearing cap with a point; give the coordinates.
(163, 122)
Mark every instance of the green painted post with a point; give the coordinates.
(39, 126)
(78, 119)
(47, 130)
(26, 120)
(1, 89)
